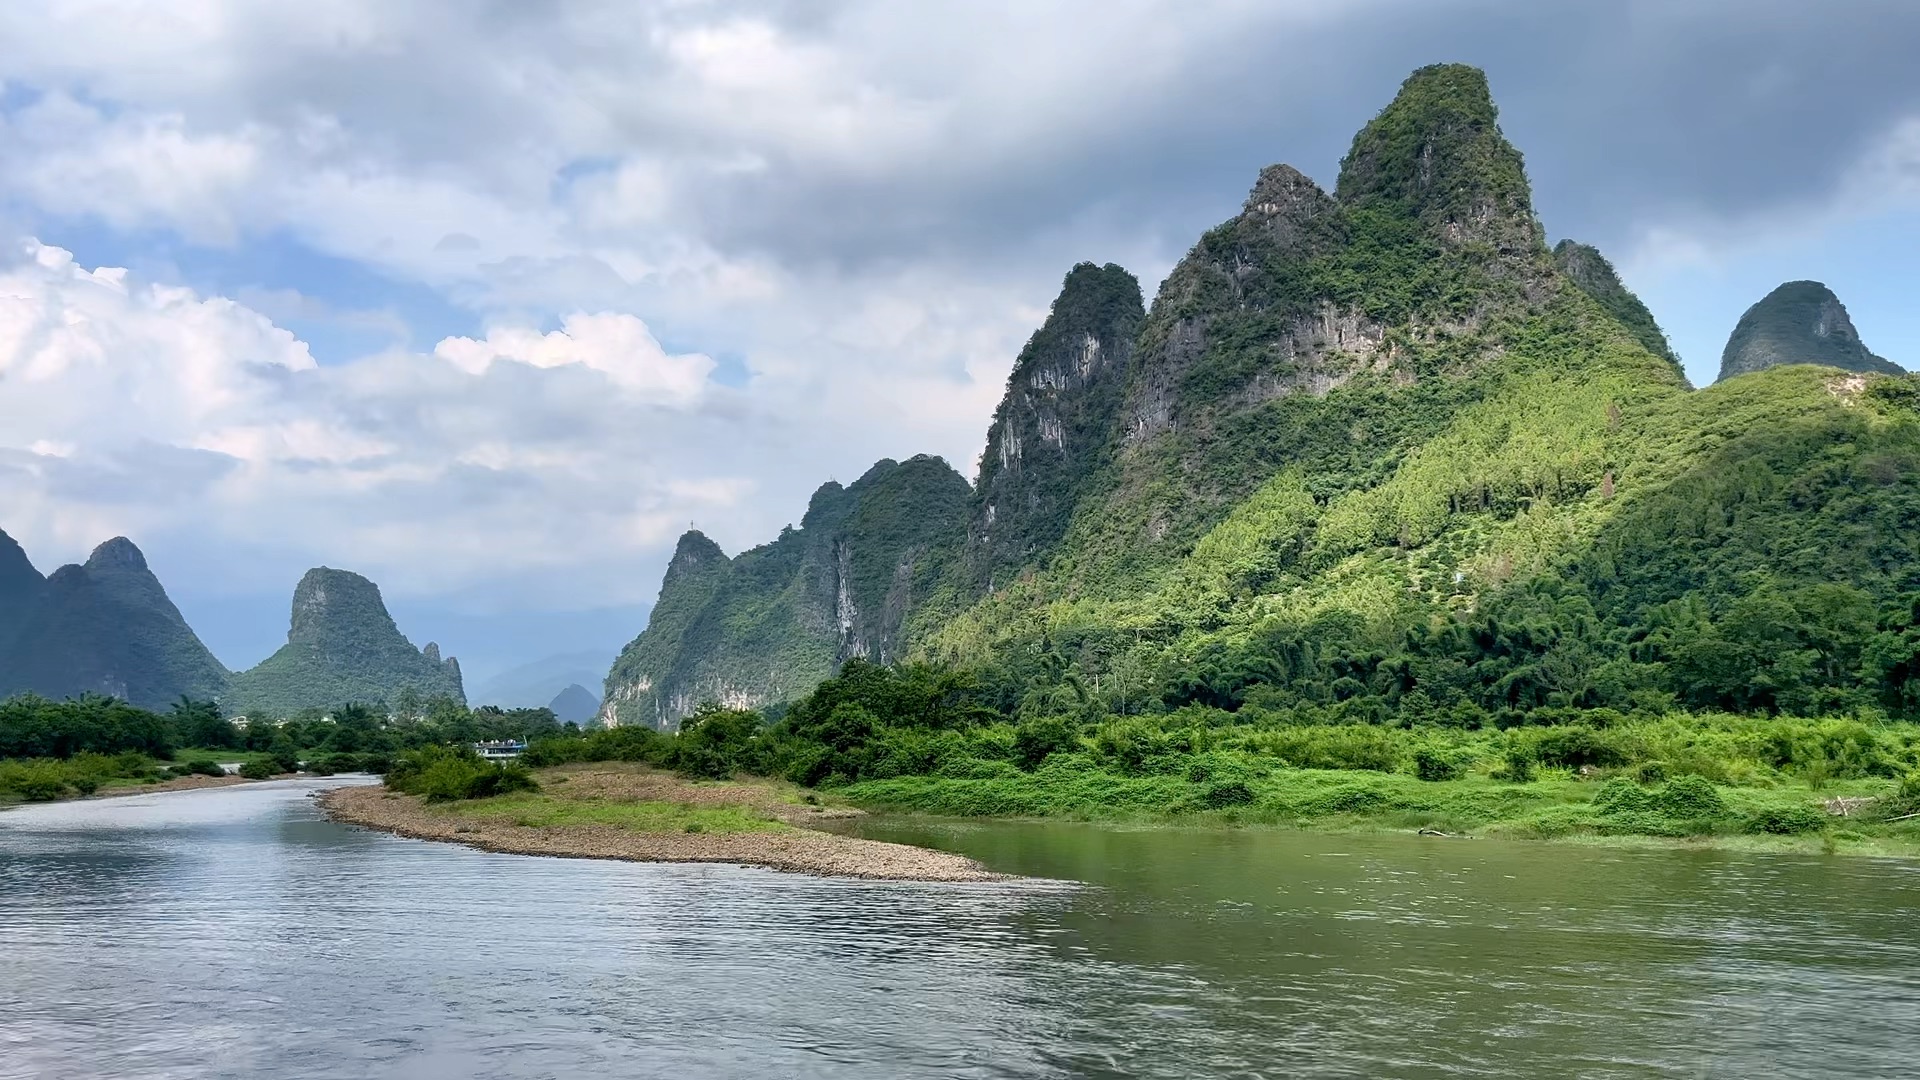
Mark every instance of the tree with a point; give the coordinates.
(200, 724)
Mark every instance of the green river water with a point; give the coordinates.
(233, 933)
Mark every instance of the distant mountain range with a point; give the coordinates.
(104, 627)
(536, 683)
(108, 627)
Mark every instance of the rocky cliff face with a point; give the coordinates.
(775, 620)
(1052, 431)
(1801, 322)
(1329, 332)
(1587, 268)
(342, 646)
(105, 627)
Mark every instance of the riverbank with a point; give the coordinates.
(634, 813)
(180, 783)
(1614, 811)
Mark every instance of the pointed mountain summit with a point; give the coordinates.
(693, 555)
(1052, 429)
(1436, 155)
(1586, 267)
(342, 646)
(1801, 322)
(108, 627)
(775, 620)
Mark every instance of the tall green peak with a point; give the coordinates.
(106, 627)
(1801, 322)
(1052, 430)
(118, 553)
(694, 552)
(1436, 154)
(342, 647)
(776, 619)
(330, 604)
(1587, 268)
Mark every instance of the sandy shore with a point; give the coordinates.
(796, 850)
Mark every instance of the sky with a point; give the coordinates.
(490, 300)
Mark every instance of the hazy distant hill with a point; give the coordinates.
(104, 627)
(535, 683)
(576, 704)
(20, 589)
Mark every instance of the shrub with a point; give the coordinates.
(337, 763)
(83, 784)
(1229, 793)
(1574, 747)
(1516, 766)
(1690, 798)
(206, 768)
(260, 769)
(1786, 820)
(446, 774)
(1034, 740)
(1904, 800)
(39, 788)
(1432, 765)
(715, 743)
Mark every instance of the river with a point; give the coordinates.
(234, 933)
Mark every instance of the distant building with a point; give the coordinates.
(500, 749)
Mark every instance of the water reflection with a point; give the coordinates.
(231, 932)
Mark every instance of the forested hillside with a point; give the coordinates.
(771, 622)
(1380, 456)
(342, 646)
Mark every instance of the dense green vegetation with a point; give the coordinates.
(936, 741)
(55, 749)
(1586, 267)
(1062, 398)
(448, 774)
(776, 619)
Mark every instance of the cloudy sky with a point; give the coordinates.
(489, 300)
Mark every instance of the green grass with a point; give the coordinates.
(540, 810)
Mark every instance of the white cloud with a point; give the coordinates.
(145, 409)
(618, 346)
(1882, 180)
